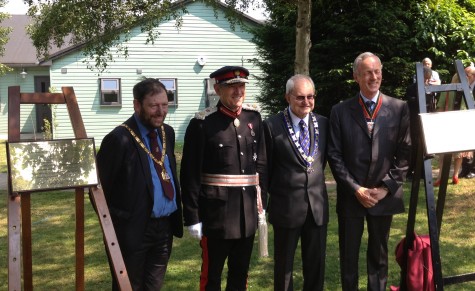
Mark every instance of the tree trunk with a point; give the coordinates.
(303, 43)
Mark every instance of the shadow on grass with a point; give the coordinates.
(53, 246)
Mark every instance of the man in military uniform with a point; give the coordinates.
(223, 164)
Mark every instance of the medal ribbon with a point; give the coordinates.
(230, 113)
(366, 112)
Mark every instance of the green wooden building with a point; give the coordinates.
(182, 58)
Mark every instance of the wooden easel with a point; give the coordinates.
(424, 167)
(19, 207)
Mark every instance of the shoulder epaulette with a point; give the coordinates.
(253, 107)
(204, 113)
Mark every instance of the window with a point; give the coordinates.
(110, 91)
(170, 84)
(211, 97)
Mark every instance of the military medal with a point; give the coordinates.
(252, 130)
(233, 114)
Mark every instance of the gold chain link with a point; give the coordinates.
(164, 148)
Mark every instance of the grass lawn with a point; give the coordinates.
(53, 245)
(3, 157)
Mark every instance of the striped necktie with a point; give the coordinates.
(303, 138)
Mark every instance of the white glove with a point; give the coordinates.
(195, 230)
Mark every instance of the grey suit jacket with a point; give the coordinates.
(291, 188)
(359, 159)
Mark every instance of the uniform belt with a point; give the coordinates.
(229, 180)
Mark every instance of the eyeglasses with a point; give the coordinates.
(302, 98)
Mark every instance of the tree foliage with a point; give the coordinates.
(446, 29)
(103, 27)
(4, 31)
(400, 32)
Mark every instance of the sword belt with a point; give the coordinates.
(229, 180)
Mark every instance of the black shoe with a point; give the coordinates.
(464, 173)
(470, 175)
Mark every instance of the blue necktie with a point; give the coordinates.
(303, 138)
(370, 106)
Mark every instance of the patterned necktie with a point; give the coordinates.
(155, 149)
(303, 138)
(370, 106)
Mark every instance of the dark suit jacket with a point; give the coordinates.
(291, 188)
(357, 159)
(125, 177)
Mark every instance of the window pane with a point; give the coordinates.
(171, 95)
(110, 84)
(111, 97)
(169, 83)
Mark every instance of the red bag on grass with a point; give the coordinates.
(419, 276)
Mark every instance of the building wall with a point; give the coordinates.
(174, 55)
(27, 111)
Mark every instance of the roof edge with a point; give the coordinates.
(176, 5)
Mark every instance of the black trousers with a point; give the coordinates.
(146, 266)
(313, 247)
(214, 254)
(350, 231)
(468, 166)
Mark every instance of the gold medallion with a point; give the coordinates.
(165, 175)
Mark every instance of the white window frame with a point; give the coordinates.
(110, 91)
(171, 84)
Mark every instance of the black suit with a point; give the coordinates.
(125, 176)
(359, 159)
(298, 203)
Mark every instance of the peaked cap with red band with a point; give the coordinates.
(230, 75)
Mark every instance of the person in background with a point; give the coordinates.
(435, 78)
(468, 164)
(413, 102)
(298, 202)
(449, 101)
(368, 153)
(223, 164)
(137, 170)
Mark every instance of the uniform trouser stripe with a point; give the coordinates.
(205, 263)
